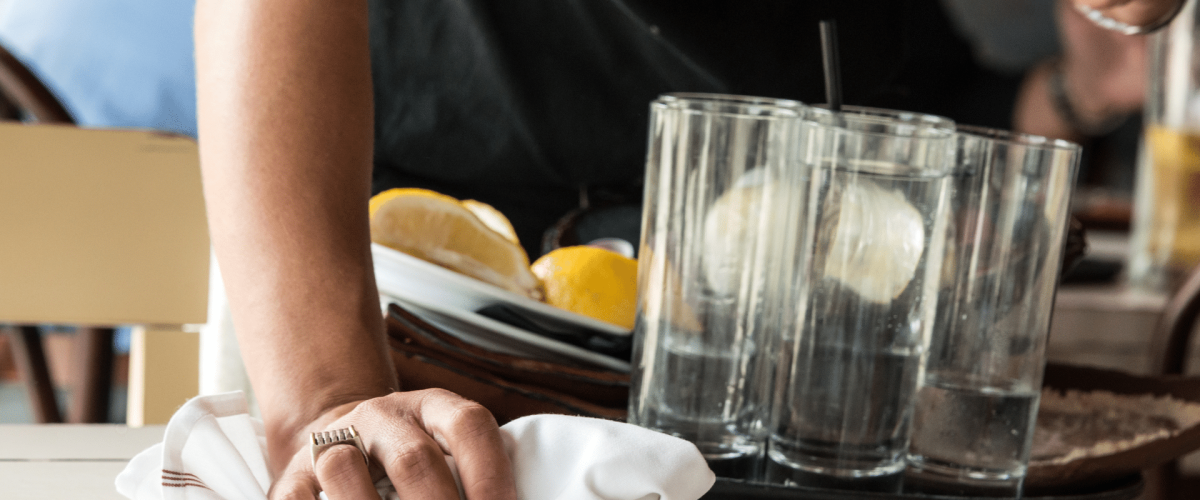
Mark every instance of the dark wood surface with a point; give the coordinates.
(1124, 488)
(31, 365)
(92, 381)
(23, 90)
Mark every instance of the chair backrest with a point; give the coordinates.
(101, 227)
(21, 90)
(1173, 334)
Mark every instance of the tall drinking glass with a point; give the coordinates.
(1165, 241)
(713, 192)
(862, 303)
(977, 405)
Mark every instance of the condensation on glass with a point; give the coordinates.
(977, 403)
(720, 190)
(861, 297)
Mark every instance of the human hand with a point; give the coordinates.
(1104, 70)
(407, 435)
(1140, 13)
(1100, 75)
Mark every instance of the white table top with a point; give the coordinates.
(68, 461)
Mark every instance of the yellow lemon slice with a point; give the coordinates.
(594, 282)
(664, 294)
(493, 219)
(877, 239)
(439, 229)
(381, 198)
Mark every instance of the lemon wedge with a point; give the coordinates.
(439, 229)
(594, 282)
(493, 219)
(875, 243)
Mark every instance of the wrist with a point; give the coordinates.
(288, 433)
(1082, 119)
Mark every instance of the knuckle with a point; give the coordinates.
(414, 462)
(470, 419)
(439, 394)
(290, 494)
(491, 480)
(338, 463)
(290, 489)
(373, 406)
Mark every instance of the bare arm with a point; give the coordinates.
(285, 121)
(285, 116)
(1103, 77)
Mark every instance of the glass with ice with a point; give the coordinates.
(858, 306)
(716, 201)
(977, 403)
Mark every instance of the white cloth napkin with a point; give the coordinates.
(213, 449)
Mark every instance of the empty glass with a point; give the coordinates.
(977, 405)
(859, 302)
(714, 192)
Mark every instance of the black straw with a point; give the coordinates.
(833, 70)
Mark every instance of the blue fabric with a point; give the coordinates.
(113, 63)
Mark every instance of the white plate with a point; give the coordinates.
(503, 338)
(408, 278)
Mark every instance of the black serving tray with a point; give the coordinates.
(617, 346)
(1124, 488)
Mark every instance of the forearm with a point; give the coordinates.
(285, 120)
(1100, 79)
(1035, 111)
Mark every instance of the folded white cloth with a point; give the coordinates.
(213, 449)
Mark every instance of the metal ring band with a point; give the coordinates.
(1109, 23)
(321, 441)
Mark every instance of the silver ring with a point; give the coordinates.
(321, 441)
(1111, 24)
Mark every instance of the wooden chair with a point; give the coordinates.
(24, 97)
(21, 91)
(1173, 334)
(1171, 342)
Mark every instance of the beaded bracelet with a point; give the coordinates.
(1066, 110)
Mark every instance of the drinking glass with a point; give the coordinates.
(977, 404)
(1165, 242)
(859, 302)
(714, 194)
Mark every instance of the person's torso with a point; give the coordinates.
(522, 103)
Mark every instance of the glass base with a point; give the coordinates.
(936, 477)
(745, 467)
(838, 460)
(728, 455)
(776, 473)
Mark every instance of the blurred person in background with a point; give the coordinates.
(1081, 82)
(126, 64)
(116, 63)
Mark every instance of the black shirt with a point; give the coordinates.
(521, 103)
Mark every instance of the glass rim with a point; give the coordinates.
(1017, 138)
(731, 104)
(940, 126)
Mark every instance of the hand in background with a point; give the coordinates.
(1103, 75)
(1133, 12)
(1104, 71)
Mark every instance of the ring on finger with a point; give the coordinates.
(321, 441)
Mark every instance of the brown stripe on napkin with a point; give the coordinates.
(182, 479)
